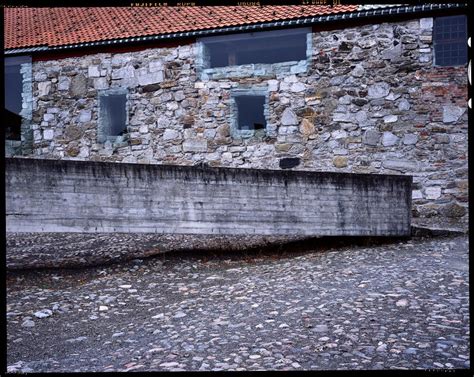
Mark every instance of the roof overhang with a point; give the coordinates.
(366, 12)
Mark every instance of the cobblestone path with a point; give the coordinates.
(402, 305)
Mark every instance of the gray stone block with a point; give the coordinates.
(452, 113)
(410, 139)
(93, 71)
(78, 85)
(195, 145)
(371, 137)
(123, 73)
(85, 116)
(379, 90)
(389, 139)
(289, 118)
(170, 134)
(63, 83)
(44, 88)
(404, 105)
(401, 165)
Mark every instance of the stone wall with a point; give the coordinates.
(369, 100)
(76, 196)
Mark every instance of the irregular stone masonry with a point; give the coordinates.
(369, 100)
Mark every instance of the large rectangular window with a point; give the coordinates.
(112, 115)
(265, 47)
(450, 40)
(13, 93)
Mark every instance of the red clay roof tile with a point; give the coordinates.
(29, 27)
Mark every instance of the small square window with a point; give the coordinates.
(450, 40)
(112, 116)
(250, 113)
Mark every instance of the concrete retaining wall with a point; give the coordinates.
(79, 196)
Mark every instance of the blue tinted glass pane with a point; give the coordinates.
(254, 48)
(250, 112)
(449, 37)
(454, 54)
(13, 102)
(13, 88)
(114, 106)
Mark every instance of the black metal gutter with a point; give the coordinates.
(364, 14)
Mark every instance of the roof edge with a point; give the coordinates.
(306, 21)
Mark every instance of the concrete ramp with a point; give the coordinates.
(82, 196)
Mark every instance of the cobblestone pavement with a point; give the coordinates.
(50, 250)
(402, 305)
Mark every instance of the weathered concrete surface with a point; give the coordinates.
(78, 196)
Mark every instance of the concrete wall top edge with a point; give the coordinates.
(199, 170)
